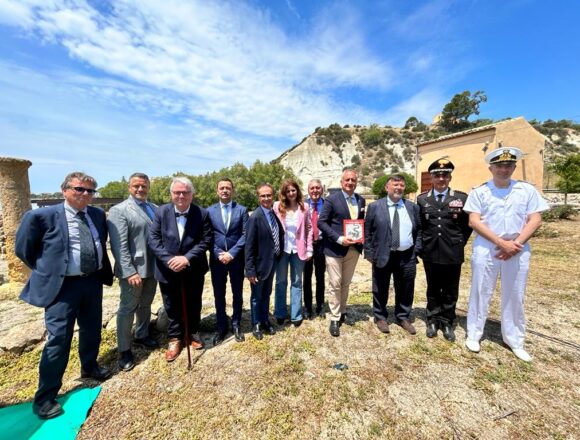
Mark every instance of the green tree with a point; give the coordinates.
(456, 113)
(245, 182)
(115, 189)
(412, 122)
(379, 185)
(568, 170)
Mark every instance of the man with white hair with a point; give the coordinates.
(504, 213)
(179, 237)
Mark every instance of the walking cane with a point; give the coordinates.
(186, 323)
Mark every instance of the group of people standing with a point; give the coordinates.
(65, 246)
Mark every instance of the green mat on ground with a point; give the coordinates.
(17, 422)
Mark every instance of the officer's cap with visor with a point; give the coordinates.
(443, 166)
(504, 155)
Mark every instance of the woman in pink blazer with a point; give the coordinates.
(296, 250)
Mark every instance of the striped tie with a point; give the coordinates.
(275, 233)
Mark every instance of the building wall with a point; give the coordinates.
(466, 153)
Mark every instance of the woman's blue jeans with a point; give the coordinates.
(296, 269)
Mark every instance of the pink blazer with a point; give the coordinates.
(303, 231)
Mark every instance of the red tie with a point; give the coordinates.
(315, 231)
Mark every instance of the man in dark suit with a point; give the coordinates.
(317, 263)
(341, 252)
(445, 231)
(229, 222)
(264, 238)
(392, 241)
(129, 223)
(65, 246)
(179, 237)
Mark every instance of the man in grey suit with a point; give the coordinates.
(129, 223)
(392, 242)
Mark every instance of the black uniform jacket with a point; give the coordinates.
(445, 228)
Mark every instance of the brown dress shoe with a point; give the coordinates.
(196, 342)
(173, 350)
(383, 326)
(406, 324)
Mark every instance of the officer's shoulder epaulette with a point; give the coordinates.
(456, 191)
(480, 185)
(524, 181)
(424, 193)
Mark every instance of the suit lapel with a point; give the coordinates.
(132, 204)
(63, 224)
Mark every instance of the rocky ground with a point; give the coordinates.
(288, 386)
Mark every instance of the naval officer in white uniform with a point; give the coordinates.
(504, 213)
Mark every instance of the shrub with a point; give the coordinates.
(559, 212)
(379, 185)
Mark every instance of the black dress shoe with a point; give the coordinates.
(267, 325)
(238, 334)
(126, 361)
(342, 318)
(431, 330)
(147, 342)
(97, 373)
(321, 314)
(297, 323)
(280, 321)
(448, 333)
(219, 337)
(47, 409)
(257, 332)
(334, 328)
(309, 315)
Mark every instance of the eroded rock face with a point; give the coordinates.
(310, 160)
(15, 201)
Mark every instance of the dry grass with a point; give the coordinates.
(396, 385)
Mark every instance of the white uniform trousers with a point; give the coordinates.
(513, 275)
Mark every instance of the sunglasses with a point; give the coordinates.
(181, 193)
(82, 190)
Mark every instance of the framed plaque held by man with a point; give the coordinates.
(354, 230)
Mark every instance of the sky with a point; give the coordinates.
(161, 86)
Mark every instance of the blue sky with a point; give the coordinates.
(158, 86)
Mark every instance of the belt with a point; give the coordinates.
(82, 275)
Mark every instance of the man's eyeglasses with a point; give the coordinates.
(181, 193)
(82, 190)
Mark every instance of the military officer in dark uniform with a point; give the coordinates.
(445, 233)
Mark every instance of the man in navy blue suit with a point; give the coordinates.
(65, 246)
(341, 252)
(229, 221)
(264, 238)
(179, 237)
(392, 242)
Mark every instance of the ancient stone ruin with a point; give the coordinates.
(15, 201)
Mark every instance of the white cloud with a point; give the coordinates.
(228, 62)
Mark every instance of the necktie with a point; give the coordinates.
(88, 249)
(395, 232)
(226, 216)
(440, 199)
(315, 231)
(352, 207)
(275, 233)
(145, 207)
